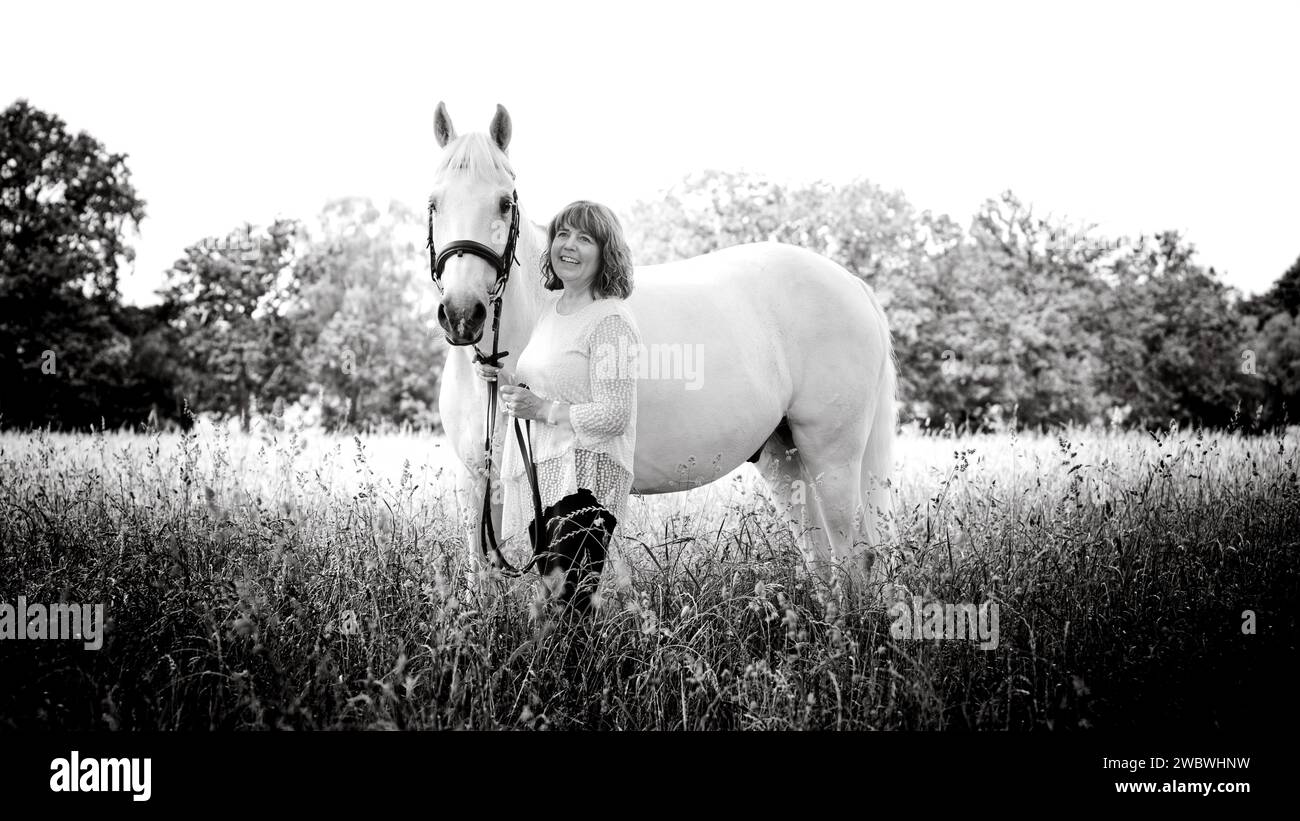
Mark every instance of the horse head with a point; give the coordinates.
(473, 224)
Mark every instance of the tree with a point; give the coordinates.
(229, 301)
(1275, 359)
(1173, 337)
(1036, 345)
(65, 206)
(1272, 324)
(706, 211)
(1283, 296)
(369, 356)
(1019, 311)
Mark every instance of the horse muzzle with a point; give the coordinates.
(462, 327)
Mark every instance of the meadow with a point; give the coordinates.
(298, 580)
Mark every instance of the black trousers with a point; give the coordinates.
(576, 537)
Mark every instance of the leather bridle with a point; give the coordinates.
(458, 248)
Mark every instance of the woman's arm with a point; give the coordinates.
(612, 347)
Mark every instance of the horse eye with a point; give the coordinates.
(505, 205)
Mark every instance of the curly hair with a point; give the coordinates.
(614, 279)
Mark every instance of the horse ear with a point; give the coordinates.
(500, 129)
(443, 131)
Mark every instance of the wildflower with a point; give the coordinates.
(791, 620)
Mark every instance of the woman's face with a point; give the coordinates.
(575, 258)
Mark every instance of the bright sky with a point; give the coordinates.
(1137, 117)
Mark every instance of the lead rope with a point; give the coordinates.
(530, 467)
(487, 534)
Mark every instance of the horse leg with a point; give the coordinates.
(782, 471)
(832, 450)
(469, 500)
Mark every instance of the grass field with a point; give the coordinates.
(284, 580)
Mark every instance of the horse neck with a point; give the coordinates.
(521, 303)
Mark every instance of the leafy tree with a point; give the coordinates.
(1283, 296)
(229, 300)
(1271, 321)
(1019, 312)
(1035, 343)
(1274, 359)
(706, 211)
(868, 230)
(369, 356)
(1173, 340)
(66, 204)
(149, 393)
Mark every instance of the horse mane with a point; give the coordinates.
(476, 155)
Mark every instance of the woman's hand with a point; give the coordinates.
(492, 373)
(522, 403)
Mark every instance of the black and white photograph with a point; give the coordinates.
(916, 377)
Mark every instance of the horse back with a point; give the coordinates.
(751, 293)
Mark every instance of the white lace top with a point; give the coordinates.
(586, 359)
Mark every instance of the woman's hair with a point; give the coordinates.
(614, 279)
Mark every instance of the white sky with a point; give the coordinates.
(1137, 117)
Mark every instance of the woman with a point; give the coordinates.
(582, 388)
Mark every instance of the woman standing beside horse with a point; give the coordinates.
(801, 378)
(574, 378)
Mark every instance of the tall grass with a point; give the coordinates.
(290, 581)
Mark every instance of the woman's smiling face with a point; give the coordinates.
(575, 257)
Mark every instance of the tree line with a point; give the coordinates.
(328, 315)
(1015, 316)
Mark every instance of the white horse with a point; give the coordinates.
(792, 364)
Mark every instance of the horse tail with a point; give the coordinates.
(878, 458)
